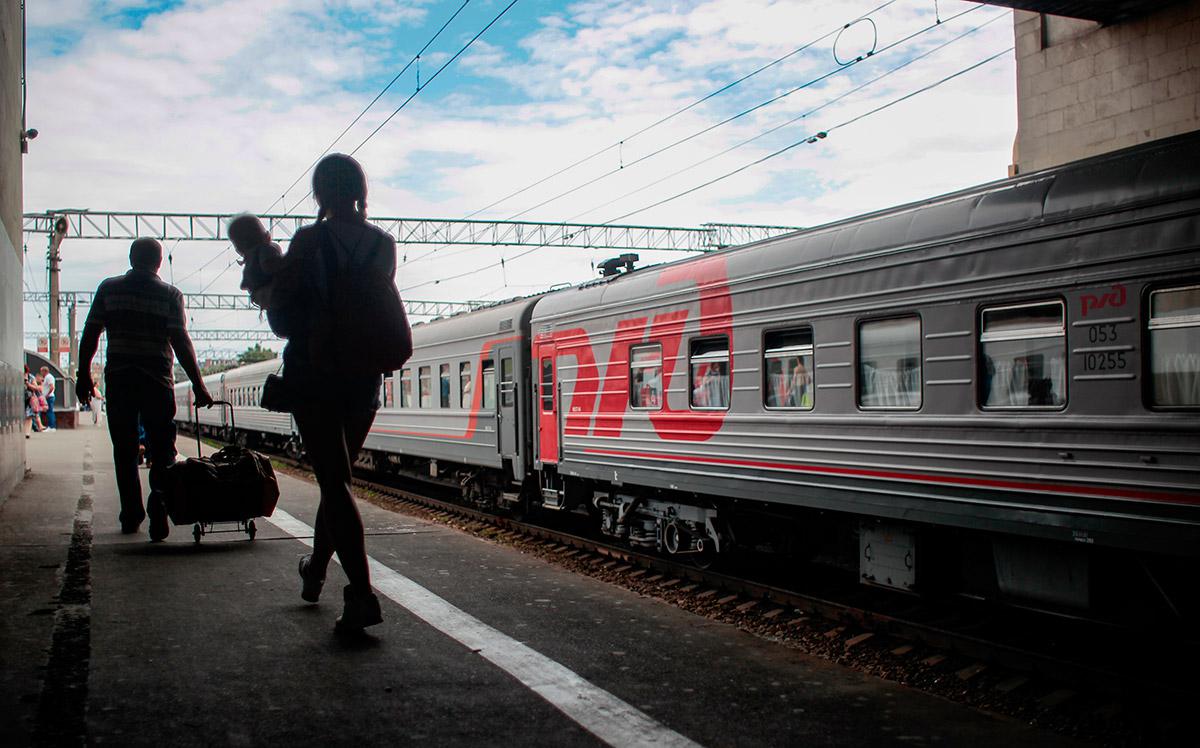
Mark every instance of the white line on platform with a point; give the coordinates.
(596, 710)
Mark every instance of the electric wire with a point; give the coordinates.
(620, 143)
(815, 137)
(397, 110)
(841, 68)
(794, 120)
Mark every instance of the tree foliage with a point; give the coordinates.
(255, 353)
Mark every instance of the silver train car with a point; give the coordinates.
(249, 423)
(994, 392)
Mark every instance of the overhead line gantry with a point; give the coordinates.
(90, 224)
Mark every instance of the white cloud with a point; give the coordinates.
(219, 106)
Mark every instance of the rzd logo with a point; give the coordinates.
(1113, 298)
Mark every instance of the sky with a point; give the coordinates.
(213, 106)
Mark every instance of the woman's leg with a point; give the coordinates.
(323, 430)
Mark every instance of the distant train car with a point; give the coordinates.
(458, 409)
(250, 423)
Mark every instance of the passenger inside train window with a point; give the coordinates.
(424, 388)
(488, 383)
(444, 386)
(709, 362)
(406, 388)
(787, 356)
(889, 363)
(1175, 347)
(464, 384)
(1024, 356)
(645, 377)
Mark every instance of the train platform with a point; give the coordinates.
(109, 639)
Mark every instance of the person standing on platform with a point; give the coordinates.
(48, 393)
(144, 319)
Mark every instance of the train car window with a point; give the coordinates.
(424, 388)
(889, 363)
(464, 384)
(488, 383)
(406, 388)
(1175, 347)
(389, 392)
(1024, 356)
(788, 366)
(548, 385)
(444, 386)
(645, 377)
(709, 368)
(507, 385)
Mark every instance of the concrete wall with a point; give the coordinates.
(12, 404)
(1085, 89)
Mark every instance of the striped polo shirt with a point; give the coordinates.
(138, 311)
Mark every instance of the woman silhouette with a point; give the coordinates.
(334, 402)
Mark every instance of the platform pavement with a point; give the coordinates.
(109, 639)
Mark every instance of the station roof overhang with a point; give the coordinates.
(1103, 11)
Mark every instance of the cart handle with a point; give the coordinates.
(199, 444)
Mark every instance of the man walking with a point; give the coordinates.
(48, 393)
(144, 318)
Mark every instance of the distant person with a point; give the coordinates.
(144, 319)
(333, 406)
(261, 257)
(48, 393)
(32, 392)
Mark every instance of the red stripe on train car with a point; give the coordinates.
(917, 477)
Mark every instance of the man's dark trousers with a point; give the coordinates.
(131, 393)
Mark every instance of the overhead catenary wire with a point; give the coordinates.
(405, 103)
(841, 67)
(793, 120)
(335, 141)
(619, 144)
(817, 136)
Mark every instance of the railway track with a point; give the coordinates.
(1074, 675)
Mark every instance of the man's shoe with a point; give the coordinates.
(310, 586)
(159, 527)
(130, 526)
(360, 610)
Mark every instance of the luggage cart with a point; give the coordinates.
(251, 491)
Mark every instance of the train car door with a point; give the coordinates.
(506, 405)
(547, 403)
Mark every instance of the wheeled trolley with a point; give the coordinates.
(233, 486)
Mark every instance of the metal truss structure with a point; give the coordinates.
(197, 301)
(88, 224)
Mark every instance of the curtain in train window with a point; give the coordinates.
(709, 369)
(424, 387)
(406, 388)
(645, 377)
(444, 386)
(889, 363)
(1024, 356)
(1175, 346)
(464, 384)
(488, 383)
(389, 392)
(788, 363)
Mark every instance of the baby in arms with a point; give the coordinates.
(261, 257)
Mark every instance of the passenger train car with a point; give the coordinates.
(994, 391)
(248, 423)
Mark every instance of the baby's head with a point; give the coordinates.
(247, 232)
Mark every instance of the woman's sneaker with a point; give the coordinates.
(310, 586)
(360, 610)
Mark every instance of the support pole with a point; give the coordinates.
(53, 259)
(73, 356)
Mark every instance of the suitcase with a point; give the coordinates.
(232, 486)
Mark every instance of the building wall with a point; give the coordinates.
(1085, 89)
(12, 404)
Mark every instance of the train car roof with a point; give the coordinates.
(504, 317)
(1145, 174)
